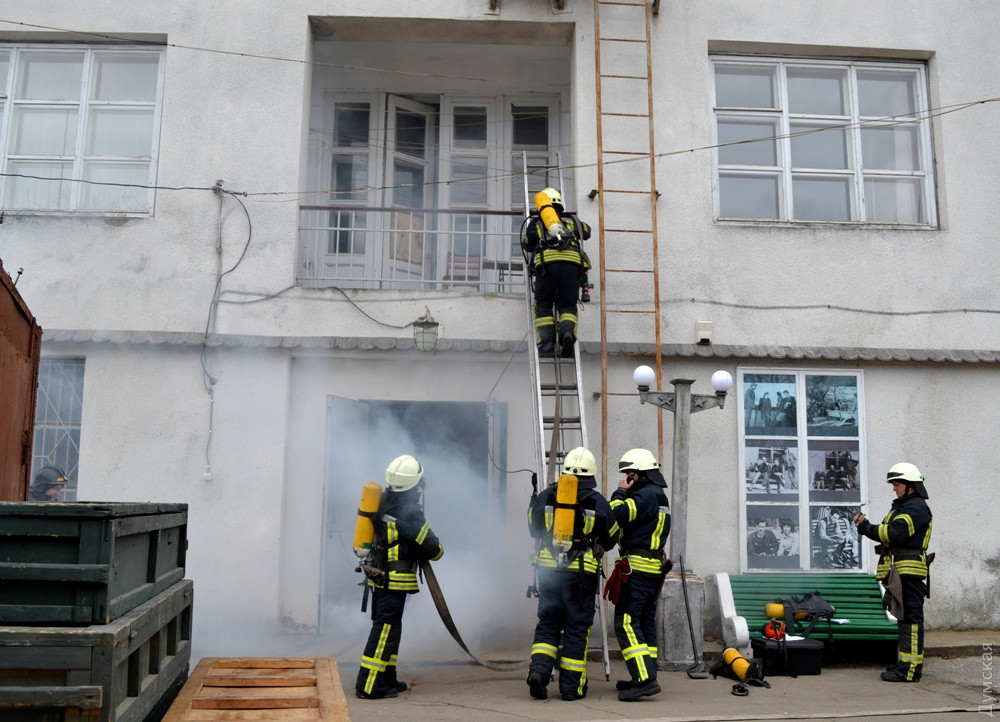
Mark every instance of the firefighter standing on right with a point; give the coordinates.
(567, 580)
(903, 537)
(642, 511)
(560, 270)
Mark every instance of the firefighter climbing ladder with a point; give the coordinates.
(558, 409)
(626, 187)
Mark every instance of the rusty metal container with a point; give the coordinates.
(20, 348)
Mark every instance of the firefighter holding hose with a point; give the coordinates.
(402, 539)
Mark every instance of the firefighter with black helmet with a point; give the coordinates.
(568, 575)
(48, 484)
(643, 513)
(403, 538)
(903, 537)
(559, 266)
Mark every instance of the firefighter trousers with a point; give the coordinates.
(566, 606)
(635, 624)
(557, 286)
(378, 662)
(911, 628)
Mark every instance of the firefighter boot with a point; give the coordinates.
(546, 340)
(567, 337)
(536, 685)
(637, 691)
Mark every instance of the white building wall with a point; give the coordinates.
(256, 525)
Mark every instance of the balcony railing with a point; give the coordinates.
(404, 248)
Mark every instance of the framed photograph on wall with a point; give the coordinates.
(772, 537)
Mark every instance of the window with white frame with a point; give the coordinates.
(802, 476)
(58, 416)
(822, 141)
(425, 194)
(79, 128)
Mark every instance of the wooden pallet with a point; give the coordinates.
(261, 688)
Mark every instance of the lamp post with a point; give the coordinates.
(682, 403)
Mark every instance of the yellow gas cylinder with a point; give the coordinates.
(548, 214)
(773, 610)
(364, 529)
(737, 662)
(565, 517)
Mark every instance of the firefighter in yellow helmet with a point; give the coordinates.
(403, 538)
(559, 266)
(643, 513)
(903, 537)
(568, 580)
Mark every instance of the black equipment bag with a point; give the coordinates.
(788, 657)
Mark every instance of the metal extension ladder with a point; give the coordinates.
(559, 421)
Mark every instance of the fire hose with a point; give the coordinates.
(449, 623)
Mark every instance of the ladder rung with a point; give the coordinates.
(628, 270)
(553, 387)
(626, 190)
(625, 77)
(572, 422)
(616, 310)
(626, 115)
(623, 40)
(627, 230)
(626, 152)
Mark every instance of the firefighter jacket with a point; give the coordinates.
(594, 527)
(904, 535)
(643, 513)
(403, 538)
(547, 249)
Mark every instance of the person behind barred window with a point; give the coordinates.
(48, 484)
(903, 565)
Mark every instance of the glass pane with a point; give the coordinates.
(470, 127)
(891, 148)
(819, 147)
(821, 199)
(833, 541)
(44, 131)
(410, 133)
(833, 471)
(409, 185)
(35, 193)
(468, 181)
(116, 198)
(761, 152)
(832, 405)
(885, 94)
(894, 200)
(817, 91)
(744, 86)
(120, 132)
(125, 76)
(773, 540)
(531, 126)
(350, 176)
(771, 470)
(347, 233)
(539, 176)
(50, 76)
(350, 124)
(748, 196)
(4, 69)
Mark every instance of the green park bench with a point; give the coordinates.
(857, 598)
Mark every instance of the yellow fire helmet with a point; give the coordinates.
(638, 459)
(555, 197)
(580, 462)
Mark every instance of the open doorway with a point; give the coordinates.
(465, 493)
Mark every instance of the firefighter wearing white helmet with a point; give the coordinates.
(903, 565)
(403, 538)
(568, 581)
(552, 244)
(643, 513)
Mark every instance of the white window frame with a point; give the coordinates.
(853, 121)
(86, 107)
(806, 501)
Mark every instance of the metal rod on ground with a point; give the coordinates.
(694, 647)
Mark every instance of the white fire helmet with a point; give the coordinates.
(638, 459)
(404, 472)
(580, 462)
(908, 474)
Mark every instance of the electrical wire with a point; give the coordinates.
(489, 396)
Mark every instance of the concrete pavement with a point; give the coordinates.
(958, 684)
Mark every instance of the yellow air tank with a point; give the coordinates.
(364, 530)
(773, 610)
(548, 214)
(565, 516)
(737, 662)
